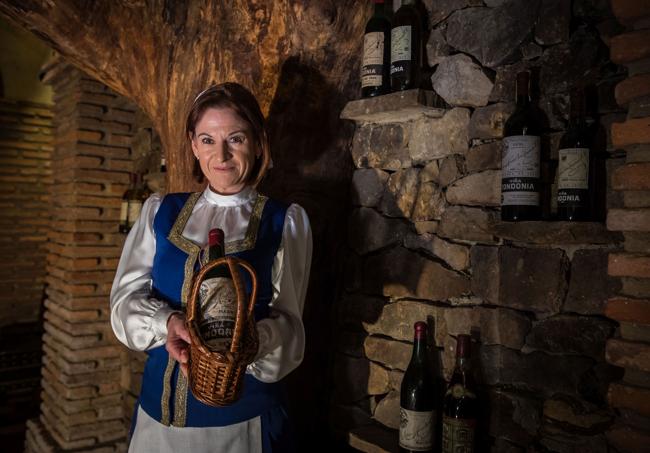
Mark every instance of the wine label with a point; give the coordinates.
(460, 391)
(135, 206)
(416, 429)
(400, 50)
(457, 435)
(218, 300)
(573, 177)
(124, 211)
(372, 65)
(520, 172)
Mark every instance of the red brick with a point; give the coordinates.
(628, 310)
(630, 132)
(627, 397)
(632, 88)
(627, 265)
(626, 10)
(628, 354)
(628, 440)
(628, 219)
(630, 46)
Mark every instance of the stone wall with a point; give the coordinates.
(82, 397)
(631, 306)
(426, 243)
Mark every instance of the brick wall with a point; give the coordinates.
(630, 349)
(82, 399)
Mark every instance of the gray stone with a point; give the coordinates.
(437, 48)
(582, 416)
(429, 204)
(531, 51)
(455, 255)
(439, 10)
(399, 196)
(505, 81)
(532, 279)
(536, 372)
(492, 35)
(553, 22)
(392, 354)
(430, 172)
(516, 417)
(383, 147)
(477, 189)
(556, 108)
(401, 273)
(370, 231)
(590, 286)
(387, 411)
(368, 186)
(485, 272)
(468, 224)
(488, 122)
(588, 335)
(395, 107)
(461, 82)
(494, 3)
(433, 138)
(483, 157)
(451, 168)
(397, 319)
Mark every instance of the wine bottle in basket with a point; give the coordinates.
(218, 299)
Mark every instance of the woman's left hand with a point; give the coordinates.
(178, 340)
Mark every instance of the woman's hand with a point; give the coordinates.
(178, 340)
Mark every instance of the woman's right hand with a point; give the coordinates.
(178, 340)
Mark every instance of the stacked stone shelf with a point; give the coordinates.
(374, 439)
(405, 105)
(553, 232)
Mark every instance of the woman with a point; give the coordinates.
(226, 131)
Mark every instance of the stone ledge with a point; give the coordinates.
(395, 107)
(540, 232)
(374, 439)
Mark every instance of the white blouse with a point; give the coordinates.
(140, 321)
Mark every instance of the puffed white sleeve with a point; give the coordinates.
(282, 335)
(138, 320)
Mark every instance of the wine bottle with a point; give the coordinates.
(405, 47)
(460, 407)
(124, 207)
(375, 66)
(417, 398)
(520, 163)
(573, 196)
(217, 298)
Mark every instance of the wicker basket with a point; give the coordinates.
(216, 378)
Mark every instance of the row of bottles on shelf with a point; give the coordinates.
(418, 429)
(534, 186)
(134, 197)
(392, 49)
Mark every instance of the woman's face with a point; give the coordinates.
(225, 148)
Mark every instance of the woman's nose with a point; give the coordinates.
(222, 152)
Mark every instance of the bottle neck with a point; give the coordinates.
(463, 363)
(578, 111)
(379, 8)
(419, 349)
(215, 252)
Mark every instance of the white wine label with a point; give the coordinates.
(124, 211)
(573, 168)
(520, 170)
(135, 206)
(400, 44)
(416, 429)
(373, 58)
(457, 435)
(218, 300)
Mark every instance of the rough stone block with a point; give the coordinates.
(378, 379)
(588, 335)
(483, 157)
(488, 122)
(628, 265)
(636, 199)
(628, 310)
(383, 147)
(394, 107)
(485, 272)
(368, 186)
(451, 168)
(429, 202)
(401, 273)
(514, 416)
(392, 354)
(628, 219)
(400, 193)
(387, 411)
(469, 224)
(630, 132)
(577, 416)
(433, 138)
(437, 48)
(630, 46)
(625, 438)
(553, 24)
(627, 397)
(477, 189)
(370, 231)
(461, 82)
(635, 176)
(637, 242)
(628, 354)
(632, 88)
(455, 255)
(589, 284)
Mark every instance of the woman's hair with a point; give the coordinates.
(236, 97)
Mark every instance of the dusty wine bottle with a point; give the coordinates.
(521, 159)
(405, 47)
(460, 403)
(573, 196)
(417, 398)
(217, 298)
(375, 66)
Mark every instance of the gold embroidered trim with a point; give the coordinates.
(167, 390)
(251, 232)
(180, 403)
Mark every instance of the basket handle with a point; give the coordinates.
(242, 315)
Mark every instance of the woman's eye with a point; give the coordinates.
(207, 141)
(237, 139)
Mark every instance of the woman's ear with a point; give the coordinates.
(193, 145)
